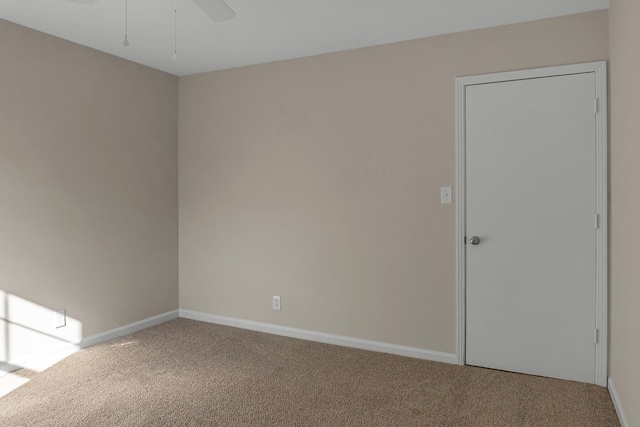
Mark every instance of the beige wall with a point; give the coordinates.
(318, 179)
(625, 205)
(88, 189)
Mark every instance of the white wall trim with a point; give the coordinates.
(57, 353)
(602, 284)
(128, 329)
(69, 348)
(340, 340)
(461, 223)
(618, 405)
(602, 233)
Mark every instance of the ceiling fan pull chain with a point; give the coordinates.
(126, 23)
(175, 32)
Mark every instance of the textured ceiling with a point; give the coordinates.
(267, 30)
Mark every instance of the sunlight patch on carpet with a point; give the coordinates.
(124, 343)
(10, 382)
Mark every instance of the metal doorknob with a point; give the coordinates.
(474, 240)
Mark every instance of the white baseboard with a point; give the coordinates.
(40, 361)
(618, 405)
(340, 340)
(51, 356)
(128, 329)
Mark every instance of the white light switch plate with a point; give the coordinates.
(60, 319)
(445, 195)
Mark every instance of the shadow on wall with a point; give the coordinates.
(33, 337)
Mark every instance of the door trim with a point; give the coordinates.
(602, 282)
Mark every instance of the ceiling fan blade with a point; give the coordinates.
(216, 9)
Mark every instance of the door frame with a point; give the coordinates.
(602, 282)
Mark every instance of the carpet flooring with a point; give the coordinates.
(187, 373)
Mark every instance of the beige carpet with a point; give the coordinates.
(187, 373)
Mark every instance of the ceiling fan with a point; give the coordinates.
(217, 10)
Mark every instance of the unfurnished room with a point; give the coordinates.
(319, 213)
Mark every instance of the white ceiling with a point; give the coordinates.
(267, 30)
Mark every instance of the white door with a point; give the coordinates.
(531, 201)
